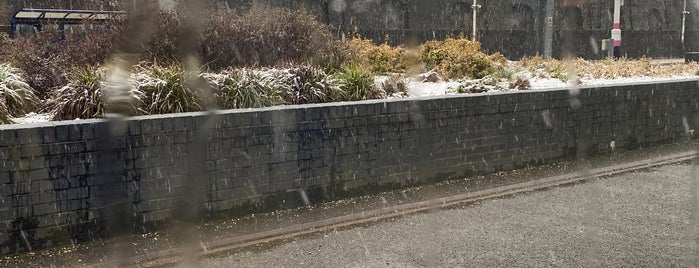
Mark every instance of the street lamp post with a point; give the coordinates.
(475, 7)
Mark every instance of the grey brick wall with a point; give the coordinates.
(60, 181)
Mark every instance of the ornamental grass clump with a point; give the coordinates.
(357, 84)
(547, 67)
(81, 97)
(164, 90)
(457, 58)
(310, 85)
(84, 96)
(245, 88)
(16, 96)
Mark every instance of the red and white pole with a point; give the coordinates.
(616, 30)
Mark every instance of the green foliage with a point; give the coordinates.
(457, 58)
(164, 90)
(17, 96)
(357, 84)
(81, 98)
(502, 73)
(244, 88)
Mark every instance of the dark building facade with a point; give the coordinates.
(515, 28)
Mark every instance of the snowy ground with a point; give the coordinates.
(417, 87)
(33, 118)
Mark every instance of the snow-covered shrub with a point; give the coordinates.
(164, 90)
(84, 96)
(546, 67)
(16, 96)
(520, 83)
(245, 88)
(310, 85)
(395, 85)
(457, 58)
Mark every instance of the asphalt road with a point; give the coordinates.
(639, 219)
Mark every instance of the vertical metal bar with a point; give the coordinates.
(616, 30)
(475, 13)
(684, 19)
(13, 27)
(548, 30)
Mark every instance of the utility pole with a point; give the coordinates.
(475, 8)
(616, 30)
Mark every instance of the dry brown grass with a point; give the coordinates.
(606, 69)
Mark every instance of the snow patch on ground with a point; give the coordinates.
(33, 118)
(417, 88)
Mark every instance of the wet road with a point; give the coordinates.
(638, 219)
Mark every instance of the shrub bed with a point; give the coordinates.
(260, 57)
(17, 97)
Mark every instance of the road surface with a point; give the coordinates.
(638, 219)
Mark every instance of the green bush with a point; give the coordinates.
(17, 96)
(164, 90)
(457, 58)
(357, 84)
(244, 88)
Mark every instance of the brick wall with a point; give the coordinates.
(60, 181)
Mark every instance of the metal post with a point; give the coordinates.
(13, 27)
(616, 30)
(684, 18)
(548, 30)
(475, 8)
